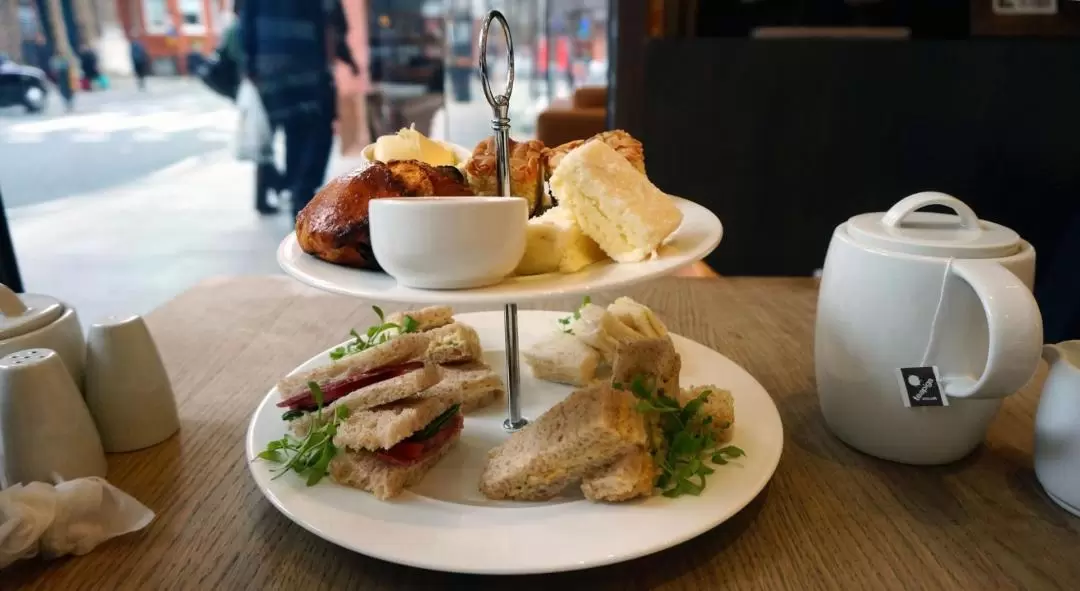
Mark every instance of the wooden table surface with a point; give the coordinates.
(831, 518)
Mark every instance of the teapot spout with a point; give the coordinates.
(1051, 353)
(1067, 352)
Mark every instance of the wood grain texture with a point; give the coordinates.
(831, 518)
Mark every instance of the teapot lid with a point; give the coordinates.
(903, 229)
(24, 314)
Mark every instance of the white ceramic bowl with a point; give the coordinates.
(448, 242)
(461, 154)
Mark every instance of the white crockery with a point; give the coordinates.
(461, 154)
(699, 234)
(448, 242)
(45, 428)
(444, 522)
(880, 288)
(32, 321)
(1057, 427)
(127, 387)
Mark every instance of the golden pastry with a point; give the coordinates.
(526, 177)
(334, 225)
(617, 139)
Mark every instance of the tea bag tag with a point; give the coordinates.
(921, 386)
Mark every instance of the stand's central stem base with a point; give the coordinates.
(514, 420)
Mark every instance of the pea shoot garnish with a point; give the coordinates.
(688, 439)
(375, 335)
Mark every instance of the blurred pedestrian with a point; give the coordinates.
(60, 68)
(88, 61)
(219, 74)
(289, 48)
(140, 60)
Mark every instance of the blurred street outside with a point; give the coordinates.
(110, 138)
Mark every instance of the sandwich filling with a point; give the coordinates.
(339, 388)
(420, 445)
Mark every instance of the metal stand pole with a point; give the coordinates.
(514, 420)
(500, 125)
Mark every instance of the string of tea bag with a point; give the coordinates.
(937, 313)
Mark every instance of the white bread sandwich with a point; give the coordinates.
(589, 324)
(379, 375)
(638, 317)
(554, 243)
(562, 358)
(614, 204)
(601, 330)
(590, 429)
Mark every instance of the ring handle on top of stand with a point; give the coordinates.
(502, 100)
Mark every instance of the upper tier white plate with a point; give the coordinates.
(698, 235)
(445, 524)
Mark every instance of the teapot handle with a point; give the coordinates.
(1015, 331)
(908, 205)
(10, 303)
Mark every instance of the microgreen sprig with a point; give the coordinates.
(309, 457)
(375, 335)
(687, 439)
(565, 321)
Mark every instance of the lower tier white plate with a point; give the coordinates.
(445, 524)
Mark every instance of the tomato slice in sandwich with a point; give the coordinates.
(426, 441)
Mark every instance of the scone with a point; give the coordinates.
(526, 170)
(619, 140)
(555, 243)
(614, 205)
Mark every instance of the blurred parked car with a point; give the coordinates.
(22, 85)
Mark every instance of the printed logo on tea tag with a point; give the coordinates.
(921, 386)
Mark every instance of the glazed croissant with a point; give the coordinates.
(334, 225)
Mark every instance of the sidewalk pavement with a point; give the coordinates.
(130, 249)
(123, 89)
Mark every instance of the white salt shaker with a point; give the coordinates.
(127, 387)
(46, 430)
(1057, 427)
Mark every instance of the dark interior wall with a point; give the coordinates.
(785, 139)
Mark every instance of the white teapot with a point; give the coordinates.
(925, 322)
(33, 321)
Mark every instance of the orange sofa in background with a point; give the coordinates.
(582, 116)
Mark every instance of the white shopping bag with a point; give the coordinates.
(253, 135)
